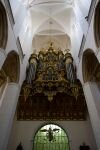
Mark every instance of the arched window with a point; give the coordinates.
(10, 71)
(97, 25)
(11, 66)
(51, 137)
(3, 27)
(90, 67)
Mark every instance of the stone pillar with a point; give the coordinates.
(69, 67)
(7, 112)
(92, 95)
(32, 68)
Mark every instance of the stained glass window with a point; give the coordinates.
(51, 137)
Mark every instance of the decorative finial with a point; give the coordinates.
(51, 44)
(67, 50)
(42, 49)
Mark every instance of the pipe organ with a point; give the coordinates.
(51, 89)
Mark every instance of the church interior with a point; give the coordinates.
(49, 75)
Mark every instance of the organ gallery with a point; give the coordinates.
(51, 90)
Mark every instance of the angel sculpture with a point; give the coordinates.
(50, 133)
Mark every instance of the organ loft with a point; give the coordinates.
(51, 90)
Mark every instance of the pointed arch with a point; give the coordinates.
(90, 66)
(11, 67)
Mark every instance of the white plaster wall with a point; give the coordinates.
(21, 30)
(15, 7)
(89, 44)
(84, 6)
(13, 33)
(7, 111)
(79, 26)
(26, 44)
(76, 38)
(8, 100)
(92, 95)
(19, 13)
(20, 20)
(90, 41)
(80, 18)
(11, 43)
(78, 132)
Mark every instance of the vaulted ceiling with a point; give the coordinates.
(51, 15)
(59, 21)
(51, 20)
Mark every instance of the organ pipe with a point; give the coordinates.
(32, 68)
(71, 76)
